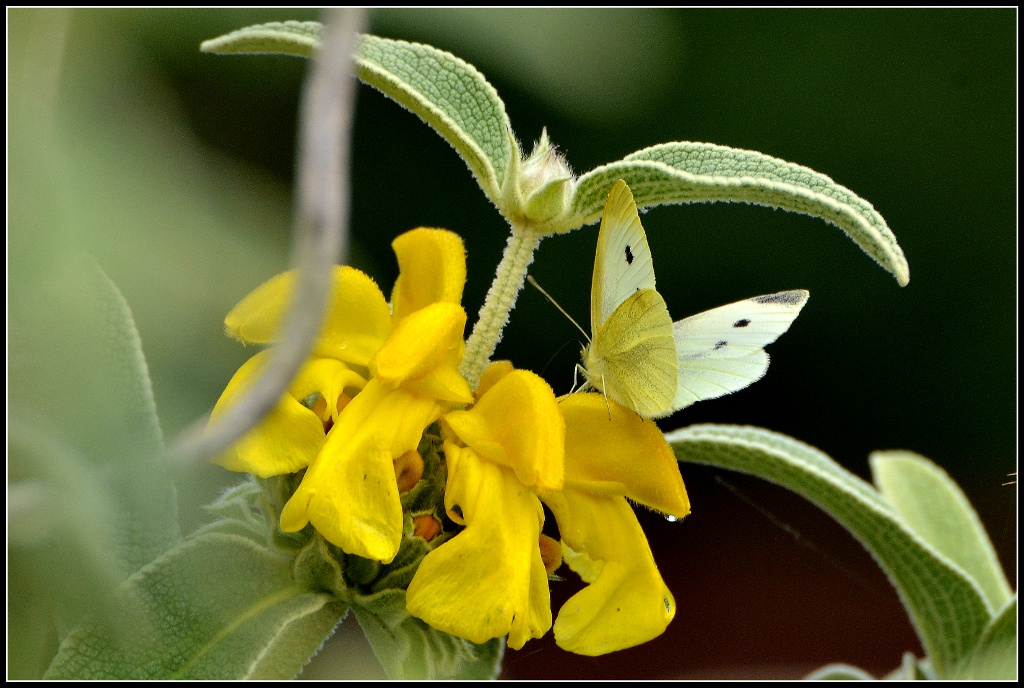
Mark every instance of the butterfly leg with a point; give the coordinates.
(575, 379)
(604, 386)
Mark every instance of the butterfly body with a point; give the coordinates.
(641, 359)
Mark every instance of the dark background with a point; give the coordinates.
(178, 169)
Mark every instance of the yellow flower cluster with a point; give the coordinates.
(378, 377)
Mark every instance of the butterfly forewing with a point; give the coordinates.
(738, 328)
(623, 264)
(633, 356)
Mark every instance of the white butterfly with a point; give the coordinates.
(639, 357)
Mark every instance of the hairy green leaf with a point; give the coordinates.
(945, 605)
(912, 669)
(685, 172)
(839, 672)
(78, 375)
(995, 655)
(410, 649)
(447, 93)
(89, 502)
(218, 606)
(937, 510)
(298, 38)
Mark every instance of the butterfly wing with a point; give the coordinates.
(722, 350)
(633, 356)
(623, 264)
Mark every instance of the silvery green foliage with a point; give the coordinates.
(538, 192)
(918, 526)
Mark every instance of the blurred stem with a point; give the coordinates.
(41, 69)
(501, 298)
(320, 238)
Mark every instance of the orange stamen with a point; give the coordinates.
(550, 553)
(426, 527)
(408, 470)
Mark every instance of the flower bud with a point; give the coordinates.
(546, 182)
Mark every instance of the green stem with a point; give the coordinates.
(501, 298)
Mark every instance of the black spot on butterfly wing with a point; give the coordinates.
(720, 344)
(629, 255)
(742, 322)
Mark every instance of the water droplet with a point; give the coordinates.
(670, 518)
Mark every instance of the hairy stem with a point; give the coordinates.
(501, 298)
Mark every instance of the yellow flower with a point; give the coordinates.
(504, 453)
(489, 580)
(384, 374)
(612, 453)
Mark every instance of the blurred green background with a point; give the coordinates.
(174, 169)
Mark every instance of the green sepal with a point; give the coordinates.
(409, 649)
(237, 511)
(398, 574)
(428, 493)
(360, 570)
(318, 565)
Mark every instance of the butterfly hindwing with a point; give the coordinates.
(633, 356)
(722, 350)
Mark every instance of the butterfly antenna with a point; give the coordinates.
(536, 286)
(555, 355)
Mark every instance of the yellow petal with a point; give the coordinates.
(623, 454)
(494, 372)
(257, 317)
(285, 441)
(432, 269)
(356, 325)
(358, 320)
(517, 423)
(350, 493)
(489, 580)
(424, 351)
(626, 602)
(328, 377)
